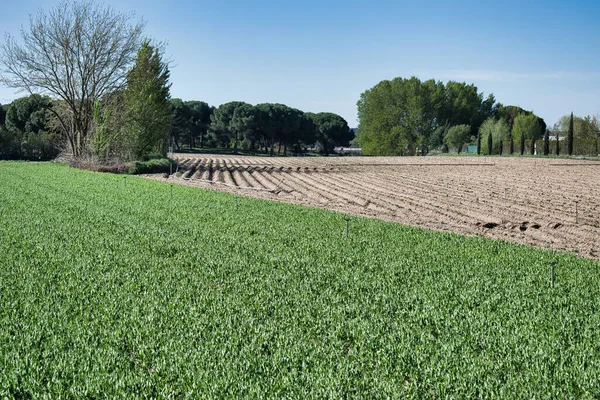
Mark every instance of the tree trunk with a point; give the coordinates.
(532, 147)
(522, 143)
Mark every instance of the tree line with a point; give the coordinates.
(95, 80)
(413, 117)
(129, 124)
(125, 127)
(270, 128)
(98, 87)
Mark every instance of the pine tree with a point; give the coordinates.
(570, 137)
(147, 106)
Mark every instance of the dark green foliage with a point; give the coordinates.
(488, 108)
(437, 137)
(457, 136)
(547, 142)
(510, 114)
(108, 139)
(229, 122)
(28, 114)
(200, 113)
(398, 117)
(114, 291)
(527, 127)
(26, 134)
(152, 166)
(148, 110)
(586, 127)
(493, 132)
(191, 120)
(266, 125)
(3, 110)
(77, 52)
(332, 130)
(478, 142)
(570, 137)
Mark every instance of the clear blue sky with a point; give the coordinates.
(321, 55)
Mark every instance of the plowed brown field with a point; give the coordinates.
(542, 202)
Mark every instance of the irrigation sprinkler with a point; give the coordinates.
(347, 221)
(124, 181)
(552, 275)
(171, 190)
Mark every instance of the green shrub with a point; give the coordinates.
(153, 166)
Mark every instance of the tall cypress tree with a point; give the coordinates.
(478, 142)
(547, 142)
(570, 136)
(557, 144)
(147, 107)
(490, 144)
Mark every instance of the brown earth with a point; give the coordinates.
(547, 203)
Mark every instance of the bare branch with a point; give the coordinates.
(77, 52)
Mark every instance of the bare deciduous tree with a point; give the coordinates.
(78, 52)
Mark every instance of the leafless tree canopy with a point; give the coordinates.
(77, 52)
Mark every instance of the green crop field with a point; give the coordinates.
(111, 288)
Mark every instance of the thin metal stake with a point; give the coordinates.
(170, 169)
(125, 180)
(171, 190)
(347, 220)
(236, 202)
(576, 213)
(552, 264)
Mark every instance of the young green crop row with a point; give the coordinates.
(114, 290)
